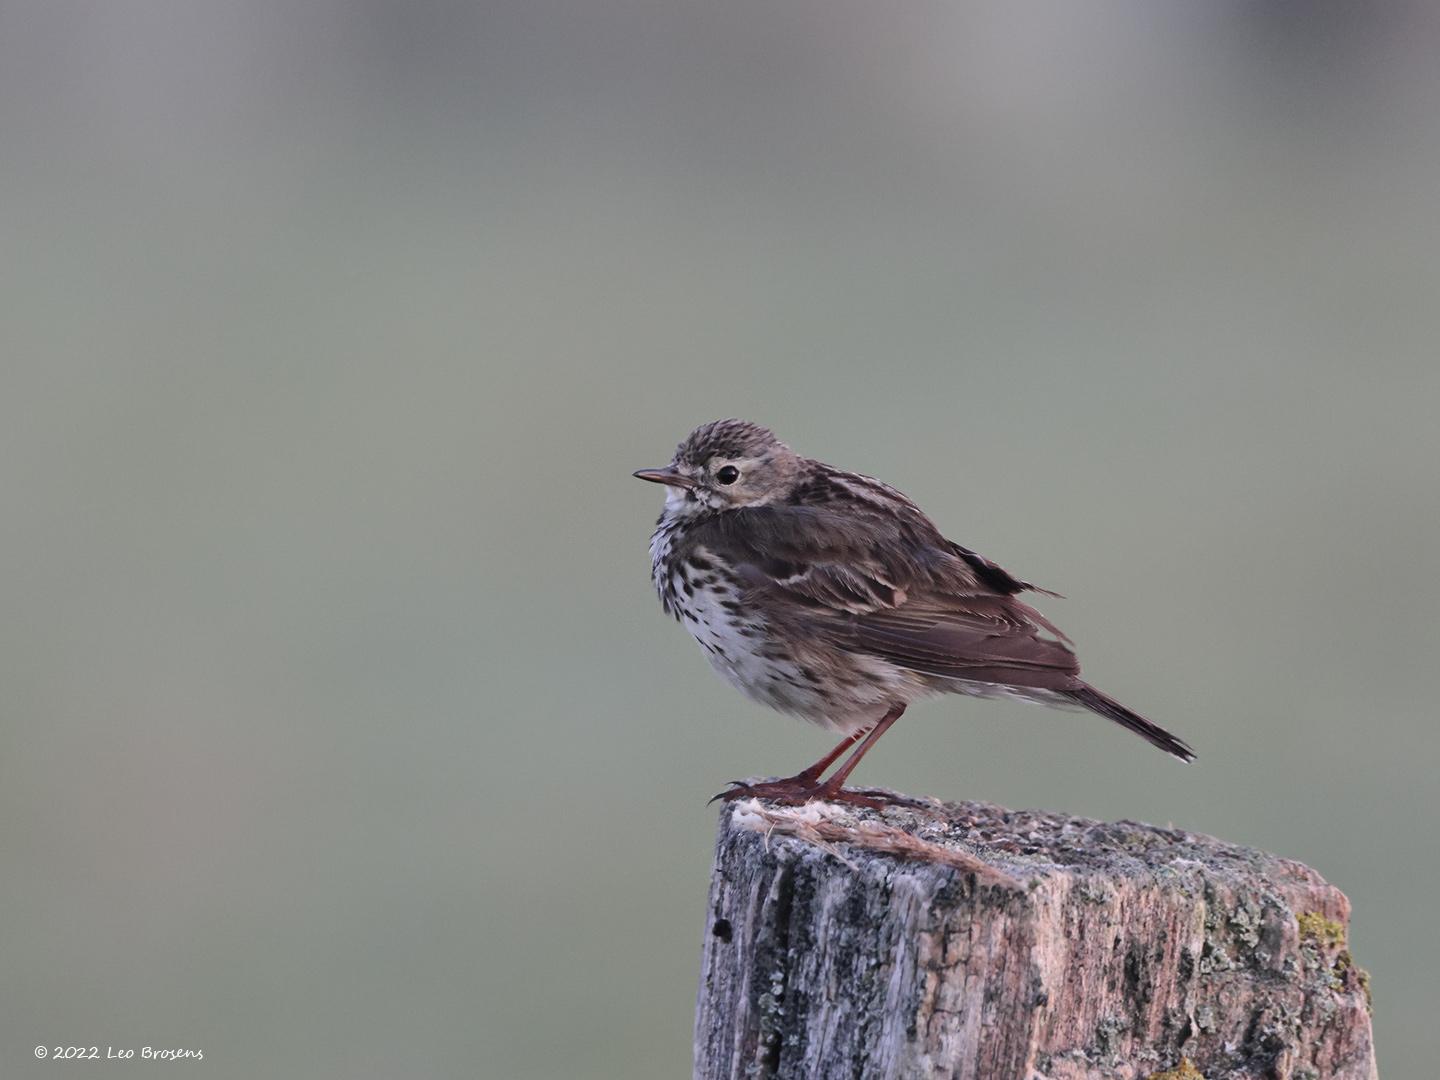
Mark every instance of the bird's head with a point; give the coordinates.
(726, 465)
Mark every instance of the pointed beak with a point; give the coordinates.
(669, 476)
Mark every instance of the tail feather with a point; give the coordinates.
(1154, 734)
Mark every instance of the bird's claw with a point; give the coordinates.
(737, 789)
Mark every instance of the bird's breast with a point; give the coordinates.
(770, 660)
(703, 593)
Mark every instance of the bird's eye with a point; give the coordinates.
(728, 474)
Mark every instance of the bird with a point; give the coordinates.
(830, 595)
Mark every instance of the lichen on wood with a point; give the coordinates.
(1184, 1071)
(964, 940)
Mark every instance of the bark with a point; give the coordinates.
(965, 940)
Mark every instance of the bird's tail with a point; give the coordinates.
(1154, 734)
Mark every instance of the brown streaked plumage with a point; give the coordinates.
(831, 595)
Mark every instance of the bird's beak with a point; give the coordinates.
(669, 476)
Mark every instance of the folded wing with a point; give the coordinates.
(895, 588)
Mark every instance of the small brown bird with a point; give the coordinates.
(830, 595)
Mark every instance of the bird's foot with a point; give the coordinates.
(797, 791)
(793, 791)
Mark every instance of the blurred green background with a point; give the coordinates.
(342, 735)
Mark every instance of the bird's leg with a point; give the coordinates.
(832, 790)
(805, 786)
(814, 772)
(796, 788)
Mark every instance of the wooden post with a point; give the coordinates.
(964, 940)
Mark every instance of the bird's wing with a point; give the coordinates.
(983, 639)
(879, 585)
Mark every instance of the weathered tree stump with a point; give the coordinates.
(965, 940)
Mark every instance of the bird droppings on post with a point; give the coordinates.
(833, 827)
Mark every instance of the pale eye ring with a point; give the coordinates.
(727, 474)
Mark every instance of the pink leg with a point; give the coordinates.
(814, 772)
(832, 787)
(805, 786)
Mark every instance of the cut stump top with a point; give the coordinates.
(968, 940)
